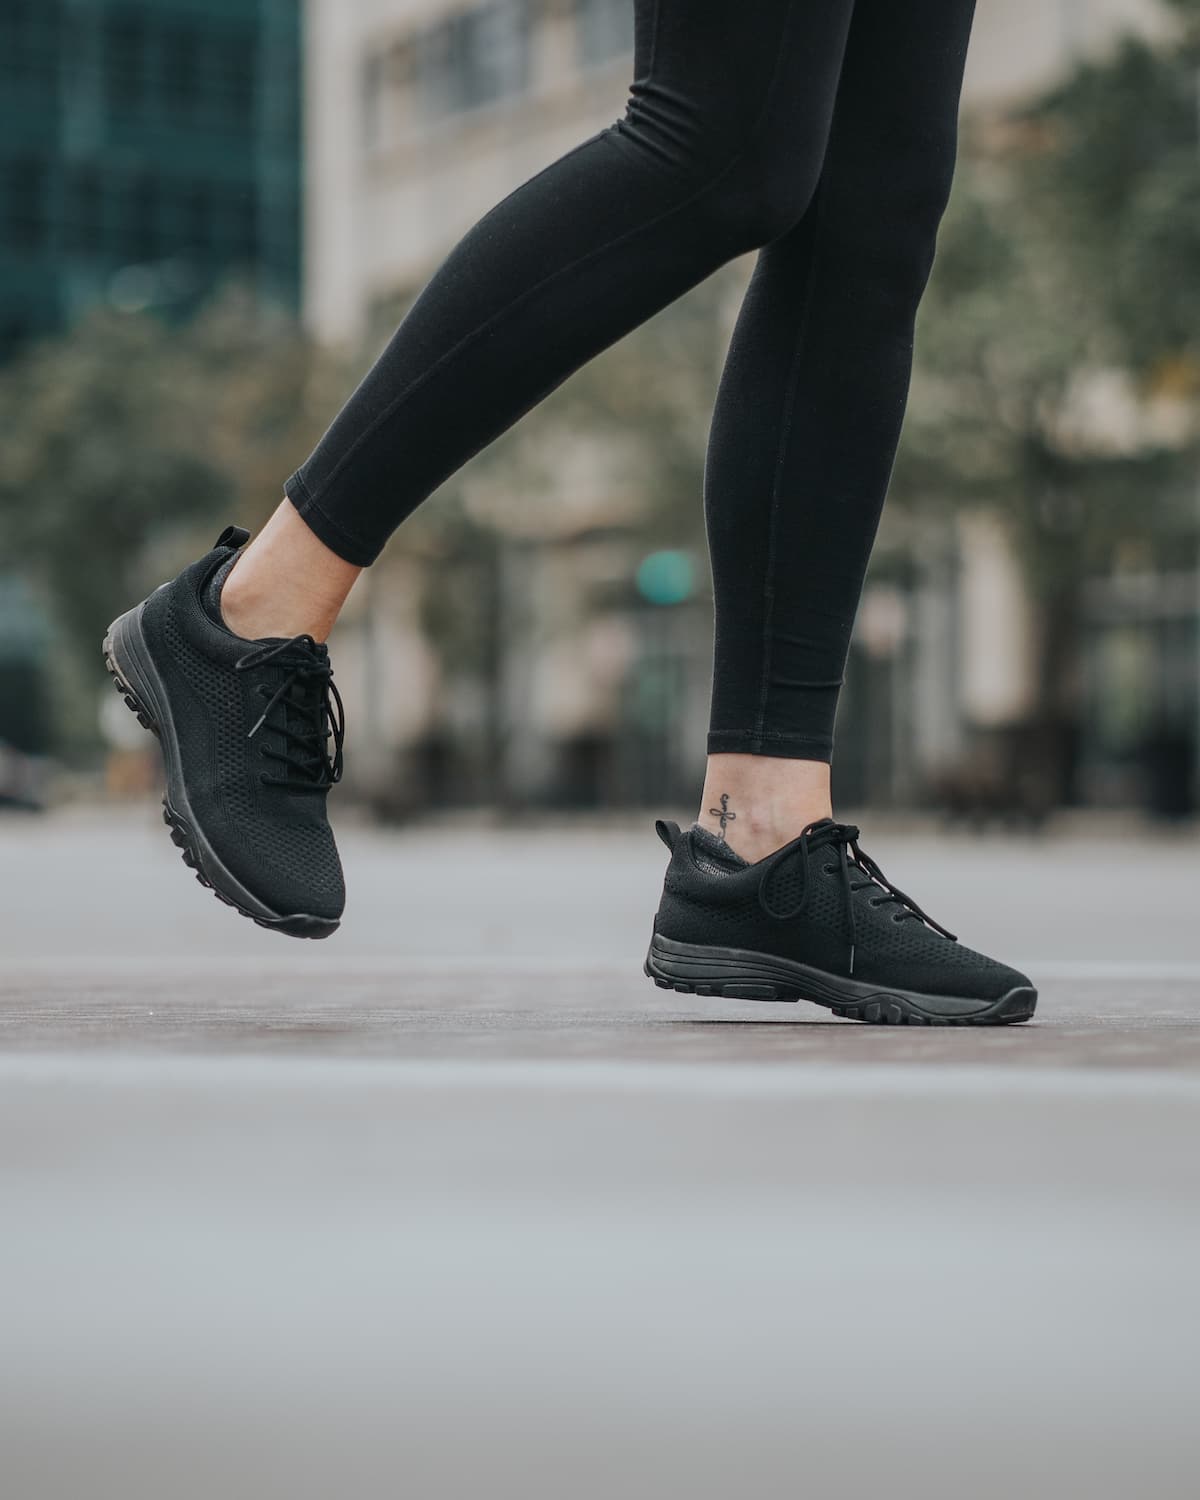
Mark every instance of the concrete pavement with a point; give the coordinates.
(458, 1203)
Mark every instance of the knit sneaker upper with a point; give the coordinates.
(820, 900)
(255, 722)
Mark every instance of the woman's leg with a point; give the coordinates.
(718, 152)
(808, 416)
(765, 901)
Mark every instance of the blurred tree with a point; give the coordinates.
(617, 449)
(1058, 363)
(128, 442)
(638, 414)
(1119, 184)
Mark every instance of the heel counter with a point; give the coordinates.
(672, 902)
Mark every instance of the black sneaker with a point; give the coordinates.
(245, 729)
(818, 920)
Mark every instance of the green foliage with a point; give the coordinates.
(1118, 182)
(1058, 355)
(638, 412)
(129, 442)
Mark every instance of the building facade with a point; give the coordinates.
(421, 114)
(147, 150)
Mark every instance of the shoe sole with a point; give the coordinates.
(737, 974)
(136, 679)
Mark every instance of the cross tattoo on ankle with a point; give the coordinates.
(723, 812)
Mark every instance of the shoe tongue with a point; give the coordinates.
(210, 597)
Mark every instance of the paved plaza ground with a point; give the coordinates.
(458, 1203)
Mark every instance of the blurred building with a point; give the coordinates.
(146, 150)
(420, 115)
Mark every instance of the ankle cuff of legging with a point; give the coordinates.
(766, 742)
(349, 548)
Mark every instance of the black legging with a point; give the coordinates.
(821, 132)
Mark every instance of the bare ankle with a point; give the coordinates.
(253, 611)
(758, 803)
(286, 582)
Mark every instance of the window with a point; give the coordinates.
(243, 226)
(180, 73)
(475, 58)
(29, 40)
(124, 61)
(15, 331)
(388, 83)
(83, 227)
(127, 224)
(197, 218)
(374, 93)
(142, 238)
(24, 201)
(233, 67)
(604, 30)
(494, 52)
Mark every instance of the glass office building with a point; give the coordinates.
(147, 151)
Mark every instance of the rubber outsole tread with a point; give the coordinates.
(1010, 1010)
(182, 837)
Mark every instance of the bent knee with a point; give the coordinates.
(747, 188)
(765, 192)
(881, 225)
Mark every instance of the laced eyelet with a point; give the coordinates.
(830, 869)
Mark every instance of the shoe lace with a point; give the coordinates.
(305, 710)
(842, 839)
